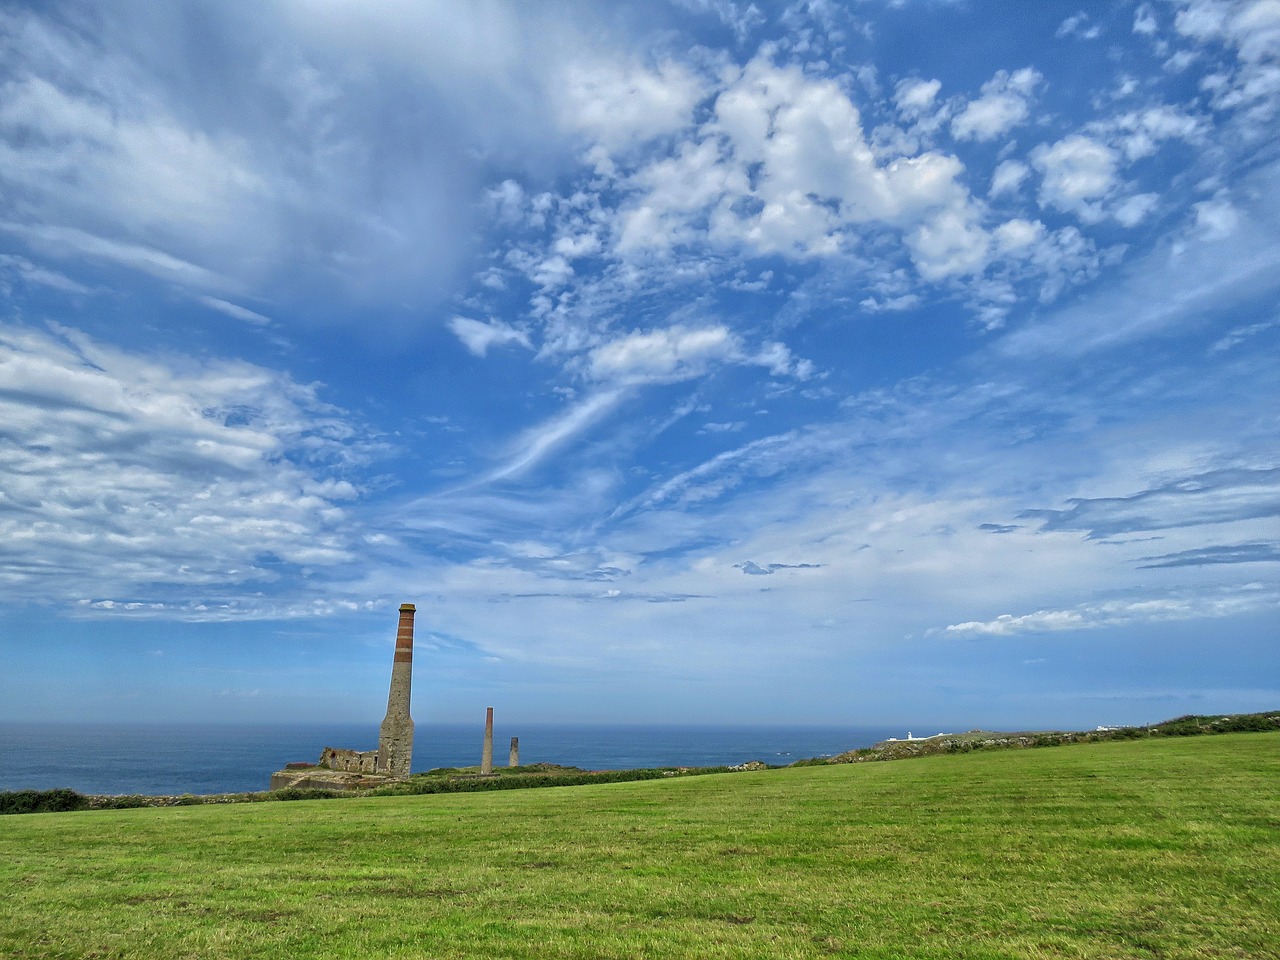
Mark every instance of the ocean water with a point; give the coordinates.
(125, 759)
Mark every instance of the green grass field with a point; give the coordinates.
(1154, 848)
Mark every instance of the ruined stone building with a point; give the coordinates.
(340, 769)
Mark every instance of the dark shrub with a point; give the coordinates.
(42, 801)
(295, 793)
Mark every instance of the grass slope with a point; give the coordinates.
(1154, 848)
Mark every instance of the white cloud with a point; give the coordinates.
(1014, 237)
(675, 190)
(906, 301)
(1240, 334)
(619, 103)
(1133, 210)
(234, 310)
(915, 97)
(29, 272)
(1144, 20)
(478, 336)
(506, 201)
(1252, 28)
(66, 242)
(1008, 177)
(1216, 218)
(1181, 61)
(949, 243)
(538, 443)
(1077, 172)
(1139, 133)
(780, 167)
(1078, 25)
(662, 356)
(742, 19)
(817, 174)
(310, 183)
(1005, 103)
(1223, 259)
(1063, 258)
(149, 480)
(780, 361)
(672, 354)
(131, 161)
(1252, 598)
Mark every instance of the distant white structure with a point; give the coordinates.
(911, 736)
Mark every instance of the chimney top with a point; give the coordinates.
(407, 608)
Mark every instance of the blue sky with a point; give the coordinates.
(870, 363)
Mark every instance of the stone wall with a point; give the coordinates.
(321, 779)
(349, 761)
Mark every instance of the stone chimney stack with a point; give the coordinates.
(486, 758)
(395, 737)
(515, 753)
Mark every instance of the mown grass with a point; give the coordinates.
(1154, 848)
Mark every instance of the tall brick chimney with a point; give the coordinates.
(395, 737)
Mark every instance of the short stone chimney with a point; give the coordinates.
(486, 758)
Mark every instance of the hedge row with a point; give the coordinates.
(63, 799)
(472, 784)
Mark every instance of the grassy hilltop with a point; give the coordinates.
(1153, 848)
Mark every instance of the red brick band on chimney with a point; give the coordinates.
(404, 635)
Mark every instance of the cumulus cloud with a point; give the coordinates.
(914, 96)
(1078, 25)
(665, 355)
(1252, 26)
(1077, 173)
(778, 164)
(1131, 211)
(1216, 218)
(1008, 177)
(949, 243)
(1005, 103)
(671, 354)
(1016, 236)
(1252, 29)
(1144, 20)
(740, 18)
(783, 166)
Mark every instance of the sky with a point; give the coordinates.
(699, 361)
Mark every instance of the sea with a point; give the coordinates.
(206, 759)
